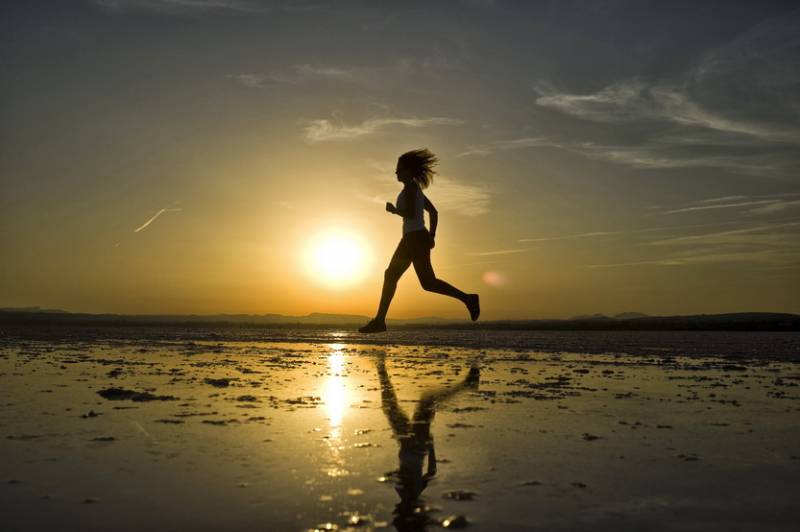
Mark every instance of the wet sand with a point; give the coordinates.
(205, 435)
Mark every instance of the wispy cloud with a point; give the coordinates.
(736, 108)
(719, 199)
(250, 80)
(718, 206)
(464, 264)
(451, 195)
(759, 257)
(765, 245)
(570, 237)
(507, 144)
(177, 7)
(636, 100)
(770, 234)
(325, 130)
(297, 74)
(776, 206)
(654, 156)
(658, 155)
(760, 204)
(155, 217)
(322, 71)
(497, 252)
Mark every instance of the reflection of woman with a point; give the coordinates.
(415, 171)
(415, 438)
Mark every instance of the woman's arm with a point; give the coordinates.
(434, 214)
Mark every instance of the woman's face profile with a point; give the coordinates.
(402, 172)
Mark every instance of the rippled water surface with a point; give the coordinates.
(175, 433)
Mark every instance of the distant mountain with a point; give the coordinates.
(590, 317)
(630, 321)
(315, 318)
(33, 309)
(629, 315)
(621, 316)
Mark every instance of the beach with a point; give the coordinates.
(204, 434)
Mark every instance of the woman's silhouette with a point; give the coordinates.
(416, 441)
(415, 171)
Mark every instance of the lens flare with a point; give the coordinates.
(494, 278)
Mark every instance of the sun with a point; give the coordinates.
(336, 258)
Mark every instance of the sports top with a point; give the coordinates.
(417, 222)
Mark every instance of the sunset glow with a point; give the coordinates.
(336, 258)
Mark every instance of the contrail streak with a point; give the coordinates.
(153, 219)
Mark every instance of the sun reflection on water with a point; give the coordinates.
(335, 393)
(336, 397)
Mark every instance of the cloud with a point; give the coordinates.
(176, 7)
(508, 144)
(776, 206)
(659, 155)
(719, 199)
(635, 100)
(251, 81)
(736, 108)
(770, 234)
(298, 74)
(766, 245)
(497, 252)
(450, 195)
(319, 71)
(154, 217)
(760, 257)
(570, 237)
(719, 206)
(325, 130)
(760, 204)
(653, 156)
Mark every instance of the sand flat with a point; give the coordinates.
(292, 436)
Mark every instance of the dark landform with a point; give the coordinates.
(630, 321)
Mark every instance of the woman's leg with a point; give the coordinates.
(398, 419)
(428, 280)
(397, 266)
(422, 265)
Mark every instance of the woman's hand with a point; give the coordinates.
(432, 240)
(390, 208)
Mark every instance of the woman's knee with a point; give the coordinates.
(429, 283)
(391, 275)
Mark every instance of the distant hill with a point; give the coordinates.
(744, 321)
(35, 314)
(33, 309)
(621, 316)
(629, 315)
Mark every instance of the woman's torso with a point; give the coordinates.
(417, 221)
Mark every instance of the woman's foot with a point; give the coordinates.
(373, 326)
(473, 377)
(474, 306)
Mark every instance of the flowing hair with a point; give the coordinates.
(421, 163)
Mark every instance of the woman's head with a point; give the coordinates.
(417, 165)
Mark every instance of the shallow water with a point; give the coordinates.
(732, 344)
(296, 436)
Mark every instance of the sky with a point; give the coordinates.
(189, 156)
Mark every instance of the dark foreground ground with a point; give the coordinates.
(169, 432)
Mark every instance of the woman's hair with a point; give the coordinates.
(421, 163)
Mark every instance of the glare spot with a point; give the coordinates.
(494, 278)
